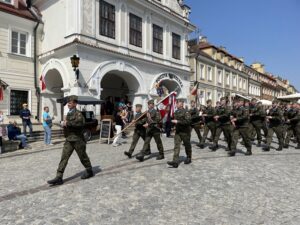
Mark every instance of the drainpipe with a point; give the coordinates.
(36, 76)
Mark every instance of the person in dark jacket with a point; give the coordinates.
(25, 115)
(14, 133)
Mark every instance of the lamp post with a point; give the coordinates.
(75, 64)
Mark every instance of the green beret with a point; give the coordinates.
(151, 101)
(73, 98)
(138, 105)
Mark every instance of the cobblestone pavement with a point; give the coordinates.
(215, 189)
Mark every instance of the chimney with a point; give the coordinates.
(258, 67)
(222, 48)
(241, 58)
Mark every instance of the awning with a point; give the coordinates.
(82, 100)
(3, 84)
(265, 102)
(240, 96)
(290, 97)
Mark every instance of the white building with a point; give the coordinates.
(17, 27)
(125, 48)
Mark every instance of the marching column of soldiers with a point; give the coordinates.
(242, 120)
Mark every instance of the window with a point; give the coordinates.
(7, 1)
(220, 77)
(244, 84)
(209, 73)
(157, 39)
(202, 75)
(202, 98)
(240, 83)
(176, 46)
(18, 43)
(227, 79)
(17, 98)
(107, 20)
(208, 95)
(234, 80)
(219, 96)
(135, 30)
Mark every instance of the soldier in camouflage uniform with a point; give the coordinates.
(223, 124)
(73, 130)
(210, 125)
(257, 118)
(275, 119)
(182, 120)
(152, 131)
(195, 120)
(139, 131)
(295, 123)
(290, 114)
(240, 121)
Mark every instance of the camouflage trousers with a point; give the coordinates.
(255, 130)
(278, 130)
(197, 130)
(153, 133)
(227, 131)
(135, 138)
(244, 133)
(80, 148)
(211, 126)
(186, 139)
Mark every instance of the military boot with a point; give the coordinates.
(88, 174)
(259, 144)
(249, 152)
(56, 181)
(148, 152)
(298, 147)
(266, 149)
(140, 157)
(128, 154)
(201, 145)
(160, 157)
(188, 160)
(286, 146)
(173, 164)
(214, 147)
(279, 148)
(231, 153)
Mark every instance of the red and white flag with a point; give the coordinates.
(195, 89)
(42, 79)
(1, 94)
(168, 103)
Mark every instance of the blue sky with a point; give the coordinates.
(267, 31)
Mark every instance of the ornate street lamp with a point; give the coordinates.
(75, 64)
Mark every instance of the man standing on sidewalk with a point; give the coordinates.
(47, 124)
(73, 129)
(25, 115)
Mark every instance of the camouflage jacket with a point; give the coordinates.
(139, 124)
(241, 114)
(277, 116)
(195, 118)
(258, 114)
(210, 112)
(289, 113)
(224, 115)
(183, 117)
(153, 119)
(294, 117)
(75, 125)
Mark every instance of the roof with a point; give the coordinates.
(205, 45)
(21, 11)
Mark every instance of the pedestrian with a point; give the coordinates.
(196, 121)
(152, 131)
(275, 119)
(257, 118)
(73, 130)
(25, 114)
(47, 124)
(14, 133)
(209, 123)
(119, 120)
(182, 121)
(139, 131)
(240, 122)
(223, 124)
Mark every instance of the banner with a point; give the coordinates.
(194, 91)
(1, 94)
(42, 79)
(168, 104)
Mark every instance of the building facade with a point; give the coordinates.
(17, 58)
(126, 48)
(254, 83)
(218, 72)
